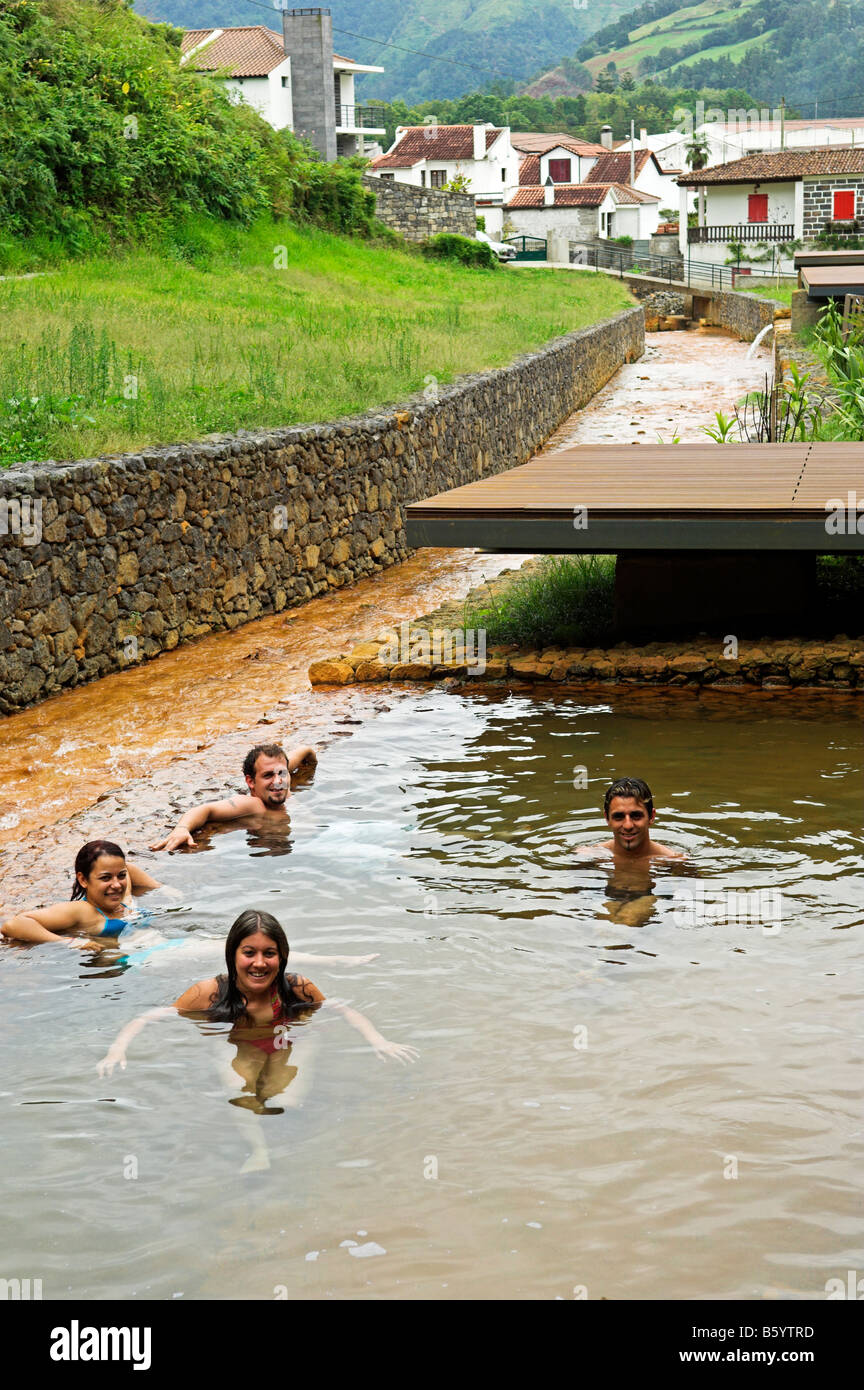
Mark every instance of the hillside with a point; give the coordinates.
(484, 41)
(804, 51)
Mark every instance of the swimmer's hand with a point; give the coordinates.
(401, 1051)
(114, 1056)
(82, 943)
(178, 837)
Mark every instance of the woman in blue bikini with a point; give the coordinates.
(102, 906)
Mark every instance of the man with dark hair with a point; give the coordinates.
(629, 810)
(268, 770)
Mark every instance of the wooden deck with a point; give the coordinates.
(618, 498)
(824, 281)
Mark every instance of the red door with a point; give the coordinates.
(757, 207)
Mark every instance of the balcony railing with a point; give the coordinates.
(360, 118)
(743, 231)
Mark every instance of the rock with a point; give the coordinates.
(331, 672)
(410, 671)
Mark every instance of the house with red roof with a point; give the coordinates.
(308, 91)
(767, 200)
(431, 155)
(582, 212)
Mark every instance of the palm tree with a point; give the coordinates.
(697, 152)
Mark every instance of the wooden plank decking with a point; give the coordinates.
(653, 497)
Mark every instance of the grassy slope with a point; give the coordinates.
(239, 343)
(735, 51)
(673, 31)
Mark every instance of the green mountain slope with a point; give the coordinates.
(804, 50)
(483, 41)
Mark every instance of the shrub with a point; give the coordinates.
(565, 599)
(449, 246)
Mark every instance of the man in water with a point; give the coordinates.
(268, 770)
(629, 810)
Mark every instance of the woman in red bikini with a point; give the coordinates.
(260, 998)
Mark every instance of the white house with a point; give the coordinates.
(563, 158)
(774, 198)
(253, 65)
(637, 169)
(582, 212)
(430, 156)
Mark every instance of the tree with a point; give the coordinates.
(606, 79)
(628, 82)
(697, 152)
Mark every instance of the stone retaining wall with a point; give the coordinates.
(745, 314)
(109, 561)
(419, 213)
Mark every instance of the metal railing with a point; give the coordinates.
(360, 117)
(674, 270)
(743, 231)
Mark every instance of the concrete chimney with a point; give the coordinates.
(643, 136)
(549, 193)
(606, 137)
(480, 144)
(308, 38)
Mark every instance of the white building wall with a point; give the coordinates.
(577, 224)
(729, 205)
(267, 95)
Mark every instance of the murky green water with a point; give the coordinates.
(594, 1072)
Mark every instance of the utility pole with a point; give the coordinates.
(782, 123)
(632, 153)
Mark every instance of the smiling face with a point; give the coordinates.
(107, 883)
(257, 964)
(630, 824)
(271, 782)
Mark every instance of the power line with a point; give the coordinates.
(385, 43)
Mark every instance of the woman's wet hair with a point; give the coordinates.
(629, 786)
(229, 1002)
(86, 858)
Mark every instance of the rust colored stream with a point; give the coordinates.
(189, 705)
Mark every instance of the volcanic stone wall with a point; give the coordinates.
(110, 561)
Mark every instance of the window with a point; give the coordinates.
(503, 175)
(757, 207)
(437, 178)
(286, 81)
(559, 170)
(844, 205)
(386, 176)
(422, 178)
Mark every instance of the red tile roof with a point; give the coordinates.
(614, 166)
(251, 51)
(537, 142)
(419, 142)
(586, 195)
(529, 171)
(779, 165)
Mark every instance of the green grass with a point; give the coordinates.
(108, 354)
(734, 51)
(672, 31)
(782, 293)
(564, 600)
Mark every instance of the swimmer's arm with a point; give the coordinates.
(43, 924)
(303, 758)
(139, 878)
(116, 1053)
(230, 808)
(381, 1046)
(196, 998)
